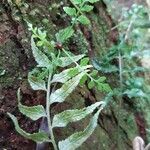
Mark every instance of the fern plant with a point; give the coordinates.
(46, 76)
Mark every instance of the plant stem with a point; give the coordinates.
(79, 10)
(120, 97)
(77, 14)
(48, 112)
(77, 64)
(49, 82)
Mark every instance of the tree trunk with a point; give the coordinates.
(118, 125)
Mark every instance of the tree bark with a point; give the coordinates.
(16, 59)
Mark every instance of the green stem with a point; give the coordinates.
(77, 14)
(78, 64)
(120, 97)
(121, 76)
(49, 82)
(79, 9)
(48, 112)
(120, 70)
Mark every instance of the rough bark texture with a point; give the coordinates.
(16, 59)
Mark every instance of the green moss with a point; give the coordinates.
(99, 35)
(10, 63)
(80, 41)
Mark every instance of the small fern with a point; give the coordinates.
(46, 75)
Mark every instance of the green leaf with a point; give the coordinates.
(35, 83)
(73, 72)
(61, 94)
(84, 20)
(39, 56)
(2, 72)
(39, 137)
(68, 74)
(138, 82)
(94, 73)
(104, 87)
(107, 68)
(135, 82)
(101, 79)
(63, 76)
(91, 1)
(41, 34)
(77, 1)
(84, 61)
(135, 93)
(64, 34)
(76, 139)
(70, 11)
(62, 119)
(65, 61)
(87, 8)
(39, 43)
(91, 84)
(34, 112)
(83, 80)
